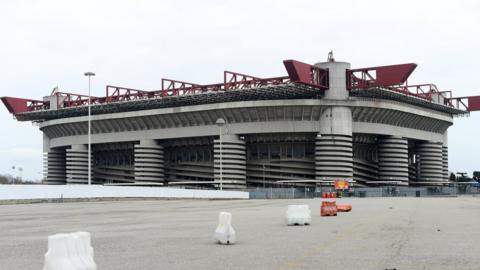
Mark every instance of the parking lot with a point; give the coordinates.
(380, 233)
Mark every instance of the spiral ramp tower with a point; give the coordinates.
(333, 145)
(446, 177)
(333, 157)
(445, 163)
(229, 162)
(77, 165)
(55, 167)
(393, 160)
(149, 163)
(430, 162)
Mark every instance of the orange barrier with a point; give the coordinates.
(344, 207)
(328, 209)
(329, 195)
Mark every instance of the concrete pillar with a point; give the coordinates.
(446, 177)
(333, 146)
(77, 164)
(233, 162)
(337, 79)
(54, 167)
(430, 162)
(149, 162)
(393, 159)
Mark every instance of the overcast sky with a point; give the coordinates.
(135, 43)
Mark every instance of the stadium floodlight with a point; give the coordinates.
(89, 75)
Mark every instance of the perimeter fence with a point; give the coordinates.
(386, 191)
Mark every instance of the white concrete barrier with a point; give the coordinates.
(298, 215)
(69, 251)
(225, 234)
(25, 192)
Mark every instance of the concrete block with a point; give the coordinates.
(69, 251)
(225, 234)
(298, 215)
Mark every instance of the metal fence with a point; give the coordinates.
(387, 191)
(283, 193)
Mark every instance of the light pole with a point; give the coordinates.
(220, 123)
(89, 75)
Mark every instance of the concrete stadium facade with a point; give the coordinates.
(309, 138)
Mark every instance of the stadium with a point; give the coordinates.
(319, 123)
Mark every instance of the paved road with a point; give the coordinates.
(380, 233)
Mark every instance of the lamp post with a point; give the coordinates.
(220, 123)
(89, 75)
(13, 177)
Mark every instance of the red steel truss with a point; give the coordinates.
(395, 78)
(117, 93)
(426, 91)
(298, 72)
(307, 74)
(234, 80)
(471, 103)
(383, 76)
(15, 105)
(65, 100)
(179, 88)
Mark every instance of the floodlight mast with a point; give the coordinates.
(220, 123)
(89, 75)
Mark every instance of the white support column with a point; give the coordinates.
(233, 162)
(149, 162)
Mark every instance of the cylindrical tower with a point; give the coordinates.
(445, 163)
(54, 167)
(229, 162)
(333, 147)
(430, 162)
(445, 157)
(77, 164)
(149, 162)
(333, 157)
(393, 159)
